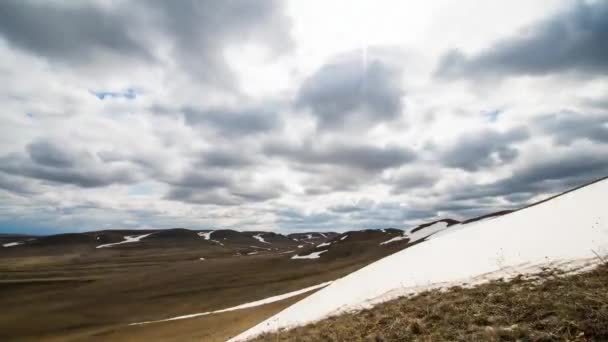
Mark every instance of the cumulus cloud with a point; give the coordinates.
(69, 32)
(200, 30)
(348, 93)
(241, 121)
(54, 162)
(571, 41)
(195, 33)
(567, 126)
(547, 174)
(475, 150)
(358, 156)
(221, 189)
(408, 179)
(261, 115)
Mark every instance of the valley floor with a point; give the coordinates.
(96, 294)
(550, 306)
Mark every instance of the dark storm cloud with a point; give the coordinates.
(203, 180)
(557, 173)
(487, 148)
(199, 31)
(566, 127)
(51, 161)
(420, 178)
(363, 157)
(348, 208)
(196, 32)
(574, 40)
(347, 93)
(219, 188)
(16, 185)
(226, 158)
(47, 153)
(74, 32)
(194, 196)
(233, 122)
(228, 196)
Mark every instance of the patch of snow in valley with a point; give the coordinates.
(206, 235)
(13, 244)
(128, 239)
(343, 238)
(243, 306)
(300, 246)
(324, 244)
(201, 259)
(313, 255)
(568, 232)
(260, 238)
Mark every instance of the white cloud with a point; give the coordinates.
(260, 123)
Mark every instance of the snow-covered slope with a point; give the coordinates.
(570, 229)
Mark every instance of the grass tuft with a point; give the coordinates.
(549, 306)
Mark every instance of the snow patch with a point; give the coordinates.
(300, 246)
(313, 255)
(243, 306)
(395, 239)
(128, 239)
(324, 244)
(568, 230)
(260, 238)
(426, 232)
(13, 244)
(343, 238)
(206, 235)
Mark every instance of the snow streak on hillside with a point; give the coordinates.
(424, 233)
(570, 229)
(242, 306)
(128, 239)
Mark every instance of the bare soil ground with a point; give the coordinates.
(84, 294)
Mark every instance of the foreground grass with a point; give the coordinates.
(558, 308)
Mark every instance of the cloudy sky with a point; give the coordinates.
(294, 115)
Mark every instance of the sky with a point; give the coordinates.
(294, 115)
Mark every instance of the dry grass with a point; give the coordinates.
(558, 308)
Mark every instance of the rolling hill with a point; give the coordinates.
(567, 232)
